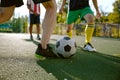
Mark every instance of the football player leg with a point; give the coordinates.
(71, 18)
(48, 22)
(89, 32)
(7, 7)
(48, 25)
(69, 30)
(6, 13)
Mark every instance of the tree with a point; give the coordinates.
(19, 24)
(115, 16)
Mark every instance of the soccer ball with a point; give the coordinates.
(65, 47)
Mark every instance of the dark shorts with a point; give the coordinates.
(40, 1)
(7, 3)
(34, 19)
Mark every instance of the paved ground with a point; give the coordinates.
(17, 61)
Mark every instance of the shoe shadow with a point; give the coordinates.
(29, 40)
(103, 55)
(34, 41)
(83, 66)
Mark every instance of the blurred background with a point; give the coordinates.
(107, 26)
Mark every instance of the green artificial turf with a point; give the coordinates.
(83, 66)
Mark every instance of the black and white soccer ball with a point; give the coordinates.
(65, 47)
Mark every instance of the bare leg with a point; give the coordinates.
(38, 31)
(89, 18)
(48, 22)
(69, 27)
(69, 30)
(30, 29)
(38, 28)
(7, 13)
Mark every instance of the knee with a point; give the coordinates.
(4, 17)
(7, 13)
(90, 19)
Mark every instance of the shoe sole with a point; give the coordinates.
(89, 50)
(38, 56)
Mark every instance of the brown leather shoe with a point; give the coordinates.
(44, 52)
